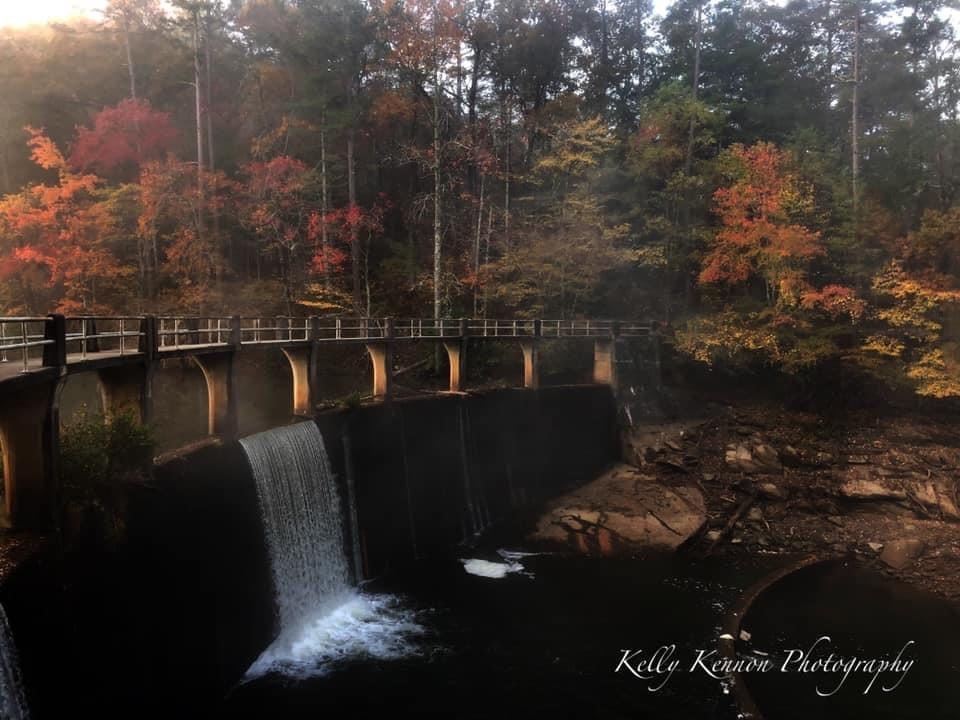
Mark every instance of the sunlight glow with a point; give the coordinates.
(19, 13)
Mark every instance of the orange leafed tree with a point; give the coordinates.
(761, 233)
(54, 237)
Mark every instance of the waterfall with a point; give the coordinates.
(302, 520)
(322, 618)
(13, 701)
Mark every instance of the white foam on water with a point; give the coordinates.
(363, 627)
(490, 569)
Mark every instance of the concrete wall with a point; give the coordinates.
(188, 604)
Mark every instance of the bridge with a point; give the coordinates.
(38, 353)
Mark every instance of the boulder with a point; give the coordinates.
(900, 553)
(772, 491)
(859, 485)
(622, 511)
(760, 458)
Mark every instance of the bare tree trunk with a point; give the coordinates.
(366, 273)
(324, 203)
(486, 255)
(476, 250)
(506, 176)
(437, 232)
(197, 90)
(130, 69)
(855, 123)
(697, 42)
(210, 154)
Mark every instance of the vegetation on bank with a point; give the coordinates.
(100, 460)
(776, 184)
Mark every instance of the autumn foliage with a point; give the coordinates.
(123, 138)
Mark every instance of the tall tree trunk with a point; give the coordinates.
(695, 90)
(324, 202)
(211, 164)
(437, 232)
(506, 120)
(855, 123)
(486, 254)
(688, 159)
(476, 250)
(197, 91)
(131, 72)
(352, 200)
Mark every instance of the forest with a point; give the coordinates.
(775, 184)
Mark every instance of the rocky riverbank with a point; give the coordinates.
(758, 480)
(882, 488)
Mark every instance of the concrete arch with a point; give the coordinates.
(29, 436)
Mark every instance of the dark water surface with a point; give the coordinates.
(543, 644)
(865, 615)
(547, 643)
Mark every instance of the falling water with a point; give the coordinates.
(302, 521)
(13, 702)
(322, 617)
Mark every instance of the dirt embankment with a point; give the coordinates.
(885, 489)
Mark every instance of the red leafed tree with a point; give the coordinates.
(54, 238)
(122, 138)
(278, 207)
(762, 234)
(347, 225)
(172, 233)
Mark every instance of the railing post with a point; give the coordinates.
(313, 328)
(93, 344)
(55, 328)
(236, 334)
(538, 328)
(149, 341)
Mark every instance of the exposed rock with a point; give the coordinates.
(857, 459)
(860, 486)
(900, 553)
(755, 514)
(791, 457)
(761, 458)
(713, 535)
(767, 458)
(836, 520)
(821, 459)
(772, 491)
(672, 463)
(622, 510)
(673, 444)
(709, 477)
(875, 546)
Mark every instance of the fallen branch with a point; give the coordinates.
(732, 522)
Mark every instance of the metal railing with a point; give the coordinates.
(427, 328)
(95, 334)
(280, 329)
(484, 327)
(19, 336)
(179, 333)
(353, 328)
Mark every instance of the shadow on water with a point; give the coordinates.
(866, 616)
